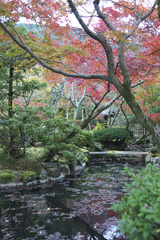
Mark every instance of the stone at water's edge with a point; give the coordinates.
(126, 156)
(43, 174)
(121, 155)
(148, 157)
(53, 169)
(50, 173)
(55, 172)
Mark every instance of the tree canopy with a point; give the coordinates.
(117, 42)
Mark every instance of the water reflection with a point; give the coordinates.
(75, 209)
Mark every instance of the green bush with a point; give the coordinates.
(79, 140)
(62, 138)
(6, 176)
(88, 137)
(83, 138)
(139, 209)
(112, 135)
(26, 174)
(18, 132)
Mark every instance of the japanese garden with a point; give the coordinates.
(80, 119)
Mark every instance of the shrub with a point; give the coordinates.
(6, 176)
(25, 174)
(112, 134)
(18, 132)
(99, 126)
(84, 138)
(89, 137)
(73, 155)
(79, 140)
(139, 209)
(62, 138)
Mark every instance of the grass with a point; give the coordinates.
(10, 175)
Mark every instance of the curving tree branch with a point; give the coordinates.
(44, 64)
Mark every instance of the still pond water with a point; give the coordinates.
(76, 209)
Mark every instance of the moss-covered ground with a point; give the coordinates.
(23, 167)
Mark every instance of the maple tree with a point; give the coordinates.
(119, 54)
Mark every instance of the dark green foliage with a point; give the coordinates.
(69, 154)
(79, 140)
(139, 209)
(84, 138)
(112, 134)
(19, 122)
(62, 138)
(19, 131)
(88, 137)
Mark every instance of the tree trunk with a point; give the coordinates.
(85, 122)
(10, 113)
(56, 94)
(151, 126)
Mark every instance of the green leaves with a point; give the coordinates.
(112, 134)
(140, 207)
(63, 139)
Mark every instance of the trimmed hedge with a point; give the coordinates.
(112, 135)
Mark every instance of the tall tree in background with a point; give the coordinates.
(15, 96)
(126, 24)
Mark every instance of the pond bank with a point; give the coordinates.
(53, 172)
(50, 174)
(121, 155)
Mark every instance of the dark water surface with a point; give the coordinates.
(75, 209)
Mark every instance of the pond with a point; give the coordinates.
(78, 208)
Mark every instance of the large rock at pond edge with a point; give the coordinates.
(81, 157)
(97, 147)
(53, 169)
(66, 169)
(148, 157)
(43, 174)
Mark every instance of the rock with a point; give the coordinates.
(66, 169)
(29, 179)
(53, 168)
(85, 152)
(43, 174)
(81, 157)
(32, 183)
(16, 177)
(155, 160)
(96, 146)
(79, 168)
(148, 158)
